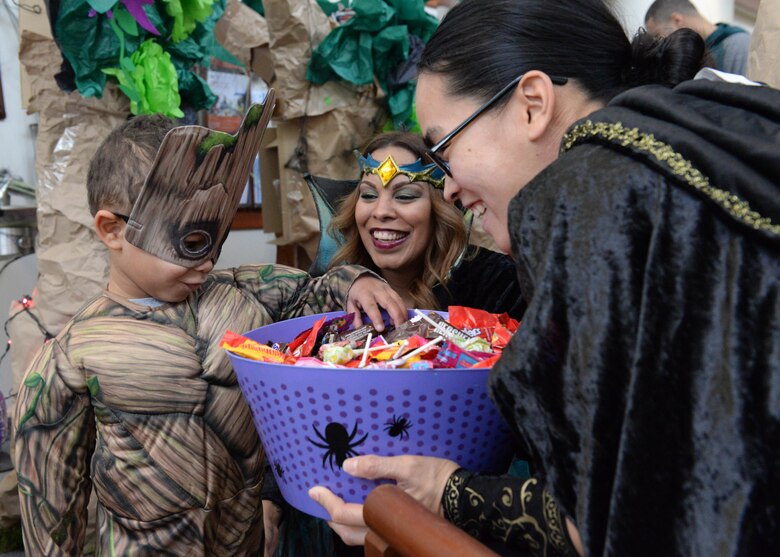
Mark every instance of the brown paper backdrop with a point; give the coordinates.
(329, 140)
(764, 55)
(317, 127)
(296, 27)
(72, 262)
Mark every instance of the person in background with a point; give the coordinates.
(728, 44)
(135, 398)
(397, 223)
(642, 208)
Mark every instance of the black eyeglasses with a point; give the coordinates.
(433, 151)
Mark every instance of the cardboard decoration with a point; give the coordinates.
(187, 204)
(763, 56)
(244, 33)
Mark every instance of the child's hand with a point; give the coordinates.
(368, 294)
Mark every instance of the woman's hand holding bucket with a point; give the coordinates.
(422, 477)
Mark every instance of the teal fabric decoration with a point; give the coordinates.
(327, 193)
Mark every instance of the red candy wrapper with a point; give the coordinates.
(488, 362)
(482, 323)
(500, 338)
(303, 345)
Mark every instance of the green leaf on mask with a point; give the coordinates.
(93, 386)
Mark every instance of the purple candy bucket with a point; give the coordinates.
(310, 419)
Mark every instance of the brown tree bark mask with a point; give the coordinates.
(190, 197)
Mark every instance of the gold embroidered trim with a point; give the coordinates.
(681, 167)
(452, 496)
(528, 516)
(552, 515)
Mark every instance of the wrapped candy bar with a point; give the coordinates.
(415, 326)
(442, 327)
(474, 344)
(451, 355)
(477, 322)
(306, 343)
(359, 334)
(248, 348)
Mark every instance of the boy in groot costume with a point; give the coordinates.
(134, 398)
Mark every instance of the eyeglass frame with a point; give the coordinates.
(432, 153)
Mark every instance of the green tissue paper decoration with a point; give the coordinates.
(150, 81)
(185, 14)
(370, 45)
(157, 75)
(256, 5)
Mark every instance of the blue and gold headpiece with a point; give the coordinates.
(388, 169)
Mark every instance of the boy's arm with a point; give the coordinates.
(287, 292)
(55, 438)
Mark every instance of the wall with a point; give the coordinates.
(17, 130)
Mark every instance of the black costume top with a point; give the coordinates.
(645, 377)
(485, 280)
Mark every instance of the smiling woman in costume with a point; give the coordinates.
(398, 224)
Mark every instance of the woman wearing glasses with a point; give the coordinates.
(643, 211)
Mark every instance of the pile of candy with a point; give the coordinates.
(469, 338)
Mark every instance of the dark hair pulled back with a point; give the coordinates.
(481, 45)
(666, 61)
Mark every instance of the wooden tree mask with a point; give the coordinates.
(190, 197)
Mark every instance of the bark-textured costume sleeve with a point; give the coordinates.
(55, 438)
(517, 512)
(287, 292)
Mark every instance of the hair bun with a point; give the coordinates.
(666, 61)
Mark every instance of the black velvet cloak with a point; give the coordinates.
(645, 377)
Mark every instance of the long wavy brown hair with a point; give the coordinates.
(449, 230)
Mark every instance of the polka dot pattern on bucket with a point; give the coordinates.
(307, 429)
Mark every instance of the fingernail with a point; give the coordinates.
(349, 466)
(314, 494)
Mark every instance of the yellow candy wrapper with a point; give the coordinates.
(252, 350)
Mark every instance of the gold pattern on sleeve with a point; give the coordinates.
(452, 498)
(527, 516)
(555, 523)
(646, 143)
